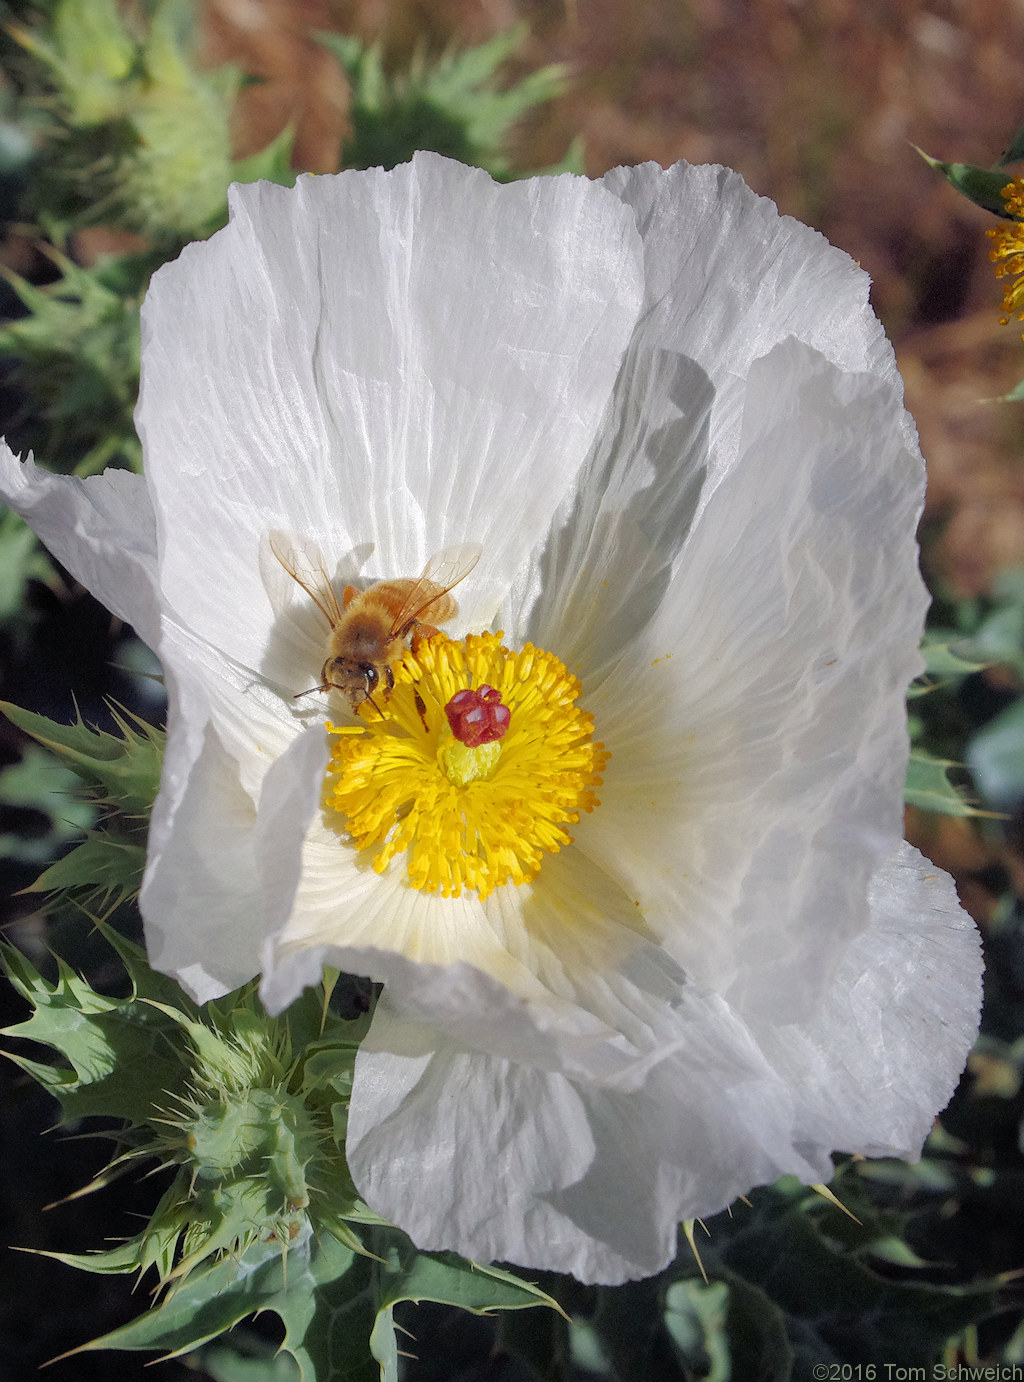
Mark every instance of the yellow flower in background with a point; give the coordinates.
(1007, 252)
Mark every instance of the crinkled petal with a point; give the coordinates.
(224, 732)
(757, 727)
(604, 567)
(386, 361)
(225, 874)
(101, 528)
(596, 1173)
(886, 1048)
(502, 1159)
(726, 280)
(727, 277)
(564, 951)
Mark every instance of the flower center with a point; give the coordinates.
(479, 762)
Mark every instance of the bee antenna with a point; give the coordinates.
(299, 694)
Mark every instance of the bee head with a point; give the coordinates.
(343, 674)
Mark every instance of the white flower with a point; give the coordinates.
(673, 424)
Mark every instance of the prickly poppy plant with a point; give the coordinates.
(534, 574)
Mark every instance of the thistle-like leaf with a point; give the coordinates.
(121, 770)
(335, 1304)
(928, 786)
(451, 104)
(123, 1056)
(982, 186)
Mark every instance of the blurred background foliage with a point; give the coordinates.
(121, 126)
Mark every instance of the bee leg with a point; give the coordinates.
(349, 594)
(419, 633)
(421, 710)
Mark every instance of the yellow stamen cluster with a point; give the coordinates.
(1007, 252)
(467, 817)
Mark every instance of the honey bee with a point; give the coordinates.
(369, 628)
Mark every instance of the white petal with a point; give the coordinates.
(225, 874)
(101, 528)
(463, 961)
(504, 1160)
(594, 1175)
(568, 953)
(405, 359)
(886, 1048)
(224, 732)
(254, 721)
(198, 895)
(726, 280)
(757, 728)
(604, 567)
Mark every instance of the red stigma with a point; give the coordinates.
(477, 717)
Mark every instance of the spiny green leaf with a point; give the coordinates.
(137, 132)
(405, 1273)
(104, 864)
(116, 1261)
(121, 1053)
(40, 782)
(88, 53)
(125, 768)
(146, 982)
(787, 1293)
(331, 1300)
(355, 1312)
(76, 354)
(321, 1291)
(450, 104)
(983, 186)
(996, 758)
(948, 655)
(211, 1301)
(832, 1305)
(928, 786)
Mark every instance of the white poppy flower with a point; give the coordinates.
(670, 420)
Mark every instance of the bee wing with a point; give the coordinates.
(442, 573)
(305, 565)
